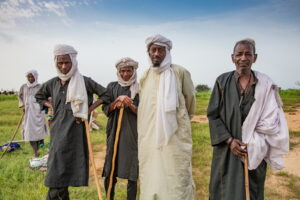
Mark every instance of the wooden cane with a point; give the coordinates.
(13, 136)
(246, 177)
(115, 153)
(88, 136)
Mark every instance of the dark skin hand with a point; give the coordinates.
(123, 101)
(236, 145)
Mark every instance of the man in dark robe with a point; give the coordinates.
(122, 93)
(72, 101)
(233, 105)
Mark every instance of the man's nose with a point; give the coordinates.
(64, 66)
(244, 57)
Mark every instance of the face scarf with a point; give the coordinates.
(35, 75)
(76, 92)
(132, 82)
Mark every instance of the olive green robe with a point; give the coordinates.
(226, 113)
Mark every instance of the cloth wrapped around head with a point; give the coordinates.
(167, 99)
(76, 92)
(159, 40)
(132, 82)
(35, 75)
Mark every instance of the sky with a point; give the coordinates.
(203, 35)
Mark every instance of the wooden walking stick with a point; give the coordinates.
(246, 177)
(88, 136)
(13, 136)
(115, 152)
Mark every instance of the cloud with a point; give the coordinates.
(13, 11)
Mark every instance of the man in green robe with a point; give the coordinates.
(72, 101)
(233, 107)
(122, 93)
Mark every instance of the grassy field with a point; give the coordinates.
(18, 181)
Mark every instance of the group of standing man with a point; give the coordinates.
(155, 142)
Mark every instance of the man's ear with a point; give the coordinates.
(255, 57)
(232, 58)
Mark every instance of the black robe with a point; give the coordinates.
(68, 162)
(226, 115)
(127, 155)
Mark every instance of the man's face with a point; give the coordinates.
(30, 78)
(243, 57)
(126, 73)
(64, 63)
(157, 54)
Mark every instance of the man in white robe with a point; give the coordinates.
(167, 102)
(34, 123)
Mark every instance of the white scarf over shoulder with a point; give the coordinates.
(167, 100)
(265, 129)
(76, 93)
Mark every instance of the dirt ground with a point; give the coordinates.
(292, 159)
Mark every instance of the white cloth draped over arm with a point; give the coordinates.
(265, 129)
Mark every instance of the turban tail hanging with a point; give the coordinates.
(76, 92)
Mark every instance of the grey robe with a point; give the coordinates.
(225, 121)
(68, 162)
(127, 155)
(34, 123)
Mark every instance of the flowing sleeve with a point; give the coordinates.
(20, 97)
(107, 98)
(218, 130)
(188, 91)
(95, 88)
(43, 94)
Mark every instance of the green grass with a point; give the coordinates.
(202, 99)
(291, 100)
(18, 181)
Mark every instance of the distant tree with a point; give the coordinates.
(298, 83)
(202, 88)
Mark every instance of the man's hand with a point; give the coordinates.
(236, 148)
(48, 104)
(125, 100)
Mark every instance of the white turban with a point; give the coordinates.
(167, 99)
(76, 92)
(132, 82)
(159, 40)
(35, 75)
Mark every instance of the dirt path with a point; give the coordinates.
(292, 159)
(199, 119)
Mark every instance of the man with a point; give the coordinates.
(34, 124)
(123, 93)
(72, 97)
(245, 117)
(167, 102)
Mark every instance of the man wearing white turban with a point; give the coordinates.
(167, 102)
(72, 101)
(34, 123)
(122, 93)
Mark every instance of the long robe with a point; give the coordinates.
(225, 120)
(166, 173)
(127, 154)
(68, 162)
(34, 123)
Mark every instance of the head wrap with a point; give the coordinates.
(76, 92)
(132, 82)
(167, 99)
(35, 75)
(159, 40)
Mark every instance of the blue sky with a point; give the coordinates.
(203, 34)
